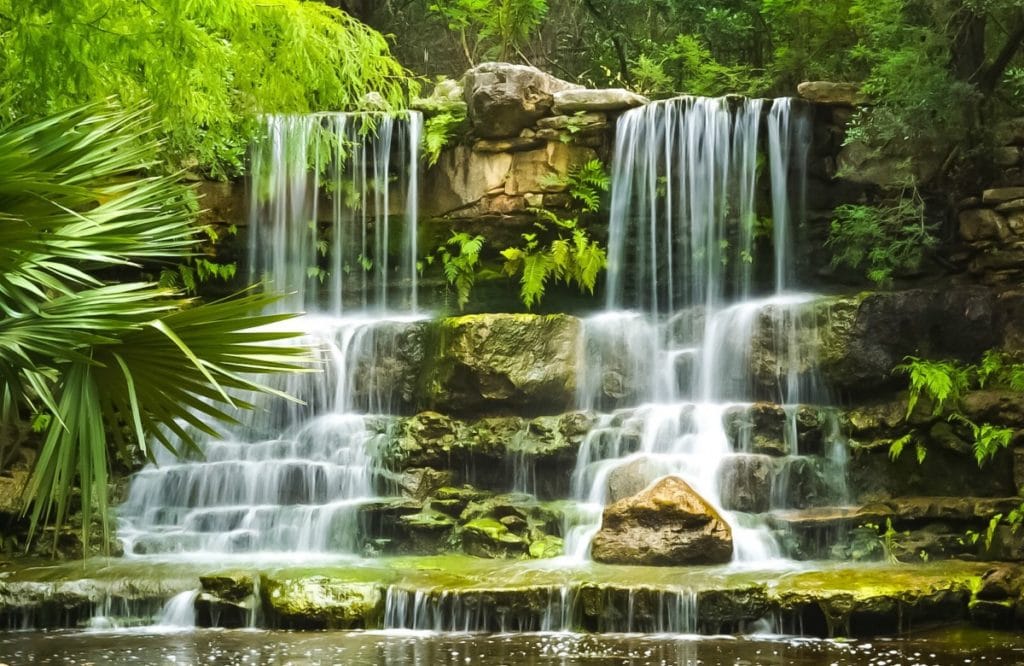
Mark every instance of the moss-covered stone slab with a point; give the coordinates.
(321, 602)
(496, 362)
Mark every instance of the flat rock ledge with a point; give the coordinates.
(428, 593)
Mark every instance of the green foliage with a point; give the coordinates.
(208, 67)
(585, 184)
(687, 65)
(572, 258)
(197, 270)
(883, 239)
(944, 383)
(494, 29)
(915, 97)
(438, 132)
(460, 259)
(100, 365)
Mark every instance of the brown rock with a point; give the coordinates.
(1011, 206)
(512, 145)
(829, 92)
(1001, 195)
(982, 224)
(668, 524)
(579, 121)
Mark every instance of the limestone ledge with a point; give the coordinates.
(832, 600)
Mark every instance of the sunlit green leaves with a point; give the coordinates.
(99, 363)
(208, 66)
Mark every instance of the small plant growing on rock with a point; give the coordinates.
(944, 383)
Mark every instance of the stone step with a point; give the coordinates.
(469, 594)
(902, 511)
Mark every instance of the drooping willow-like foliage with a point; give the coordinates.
(208, 67)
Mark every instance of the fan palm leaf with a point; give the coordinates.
(112, 364)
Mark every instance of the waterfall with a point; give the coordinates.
(333, 226)
(694, 340)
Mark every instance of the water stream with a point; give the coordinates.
(699, 319)
(333, 226)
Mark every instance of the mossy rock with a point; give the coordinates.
(502, 362)
(319, 602)
(486, 537)
(547, 546)
(232, 586)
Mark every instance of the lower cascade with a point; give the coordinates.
(671, 462)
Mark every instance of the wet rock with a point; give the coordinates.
(667, 524)
(319, 602)
(504, 361)
(503, 99)
(831, 92)
(486, 537)
(1001, 195)
(726, 609)
(426, 533)
(629, 479)
(420, 483)
(547, 546)
(758, 428)
(233, 586)
(992, 614)
(994, 406)
(746, 482)
(1001, 582)
(982, 224)
(610, 99)
(863, 338)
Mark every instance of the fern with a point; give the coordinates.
(438, 132)
(460, 258)
(988, 439)
(941, 381)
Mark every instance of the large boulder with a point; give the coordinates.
(504, 362)
(668, 524)
(504, 99)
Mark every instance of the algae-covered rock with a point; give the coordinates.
(430, 450)
(232, 586)
(547, 546)
(667, 524)
(496, 362)
(486, 537)
(319, 602)
(728, 607)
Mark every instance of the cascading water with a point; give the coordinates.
(695, 342)
(333, 226)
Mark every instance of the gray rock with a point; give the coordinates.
(746, 482)
(504, 99)
(1001, 195)
(610, 99)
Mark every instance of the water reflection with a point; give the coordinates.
(245, 648)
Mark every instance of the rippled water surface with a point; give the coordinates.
(369, 648)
